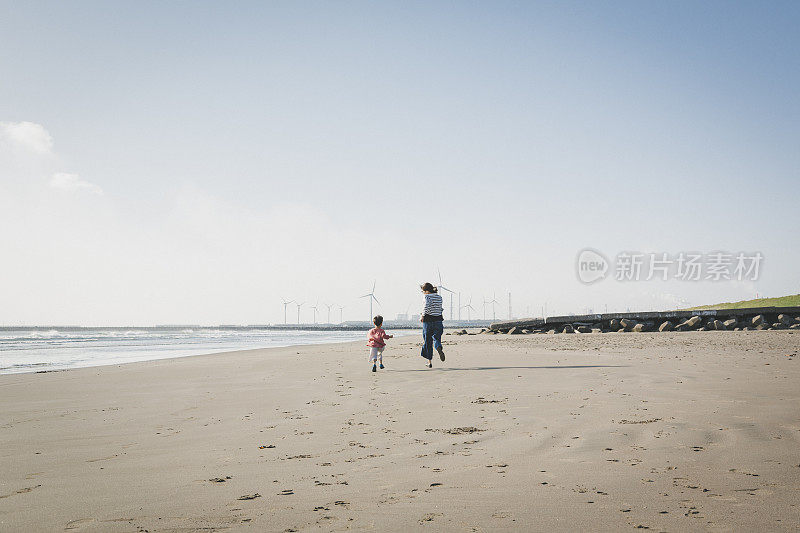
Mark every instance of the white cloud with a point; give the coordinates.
(27, 135)
(73, 182)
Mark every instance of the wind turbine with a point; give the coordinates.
(371, 297)
(329, 311)
(441, 286)
(314, 307)
(285, 305)
(485, 301)
(493, 302)
(299, 305)
(468, 306)
(340, 313)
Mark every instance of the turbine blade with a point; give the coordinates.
(376, 300)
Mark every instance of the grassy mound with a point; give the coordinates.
(783, 301)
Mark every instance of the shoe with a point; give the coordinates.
(429, 364)
(441, 354)
(381, 367)
(374, 369)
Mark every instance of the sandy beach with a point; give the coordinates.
(608, 432)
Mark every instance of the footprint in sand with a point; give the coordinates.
(75, 524)
(21, 491)
(430, 517)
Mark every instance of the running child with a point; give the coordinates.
(376, 340)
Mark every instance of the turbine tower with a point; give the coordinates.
(442, 287)
(285, 305)
(299, 305)
(371, 297)
(329, 311)
(314, 307)
(340, 313)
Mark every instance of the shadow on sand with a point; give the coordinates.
(451, 369)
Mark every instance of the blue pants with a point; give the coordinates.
(432, 335)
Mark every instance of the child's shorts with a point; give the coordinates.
(375, 352)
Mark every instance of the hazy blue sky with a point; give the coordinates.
(195, 161)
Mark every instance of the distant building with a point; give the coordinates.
(402, 317)
(414, 318)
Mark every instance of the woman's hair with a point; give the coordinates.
(378, 320)
(427, 287)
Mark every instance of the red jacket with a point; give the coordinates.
(376, 338)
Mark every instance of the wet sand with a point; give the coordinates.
(604, 432)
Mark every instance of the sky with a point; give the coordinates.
(195, 162)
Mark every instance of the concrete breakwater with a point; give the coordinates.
(757, 318)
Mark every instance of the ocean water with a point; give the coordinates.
(37, 350)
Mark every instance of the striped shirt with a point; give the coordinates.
(433, 305)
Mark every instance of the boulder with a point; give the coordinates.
(627, 324)
(568, 329)
(551, 331)
(758, 320)
(762, 326)
(717, 324)
(786, 319)
(614, 325)
(638, 328)
(584, 329)
(730, 323)
(666, 326)
(795, 326)
(737, 329)
(702, 329)
(598, 330)
(514, 331)
(693, 322)
(779, 325)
